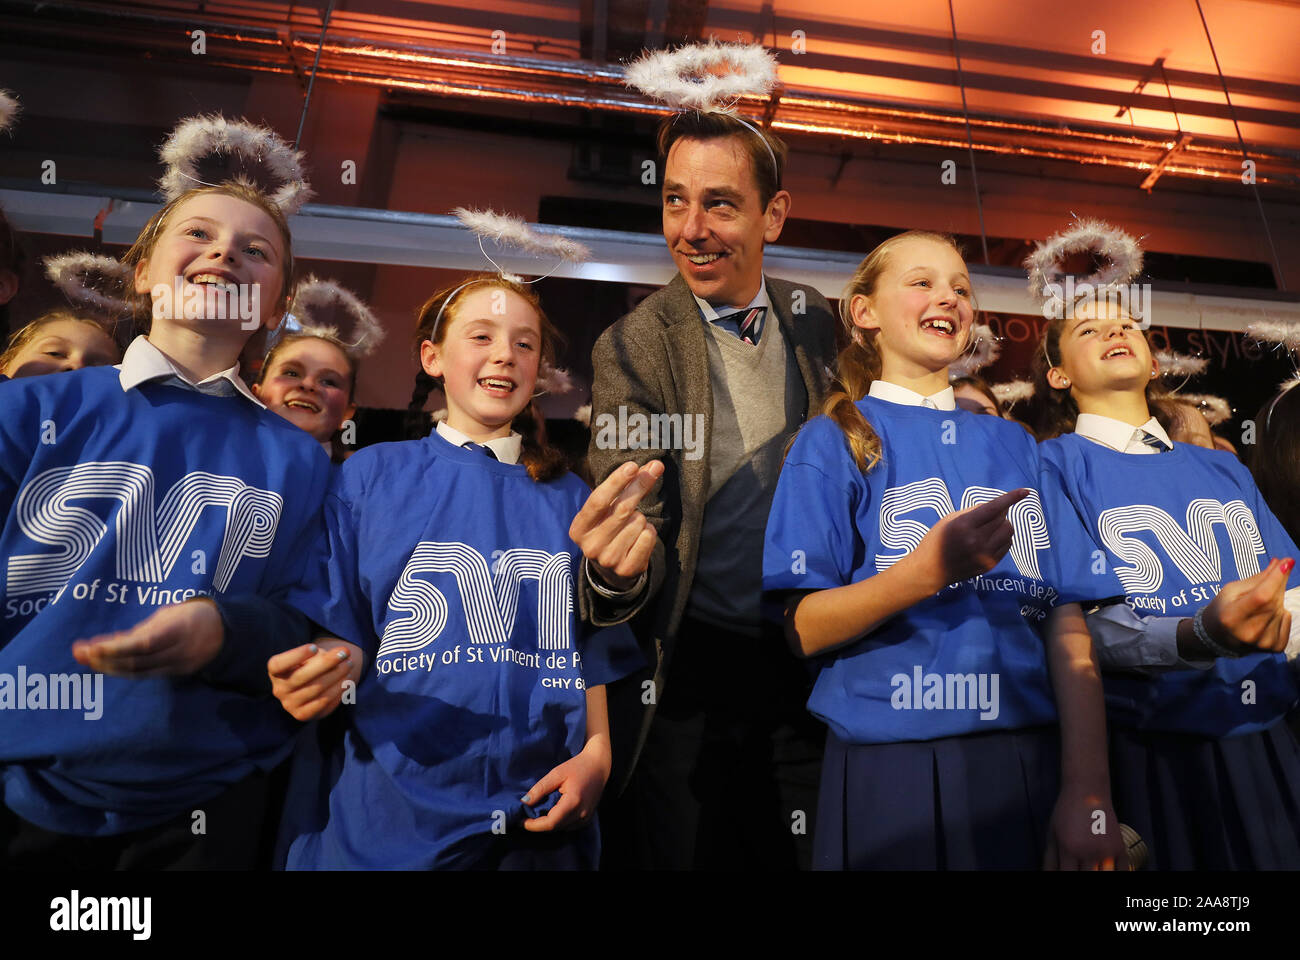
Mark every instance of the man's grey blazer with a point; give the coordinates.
(654, 361)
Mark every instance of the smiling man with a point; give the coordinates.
(715, 756)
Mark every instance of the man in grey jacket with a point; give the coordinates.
(715, 756)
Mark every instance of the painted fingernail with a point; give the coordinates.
(313, 648)
(343, 654)
(526, 799)
(1288, 564)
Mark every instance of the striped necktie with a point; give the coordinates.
(745, 324)
(1151, 440)
(480, 447)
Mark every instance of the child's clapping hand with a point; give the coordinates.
(309, 681)
(615, 537)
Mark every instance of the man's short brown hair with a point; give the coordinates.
(714, 126)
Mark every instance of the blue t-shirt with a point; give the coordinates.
(971, 658)
(455, 573)
(1176, 527)
(114, 504)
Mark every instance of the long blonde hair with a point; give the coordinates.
(858, 364)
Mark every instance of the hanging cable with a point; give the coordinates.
(1268, 234)
(970, 143)
(312, 79)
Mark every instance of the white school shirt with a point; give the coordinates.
(1124, 639)
(143, 362)
(1121, 436)
(893, 393)
(507, 449)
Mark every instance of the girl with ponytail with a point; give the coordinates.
(478, 737)
(943, 611)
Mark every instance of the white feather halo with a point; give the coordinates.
(1284, 332)
(505, 229)
(583, 415)
(1214, 409)
(708, 77)
(258, 151)
(94, 281)
(322, 308)
(1013, 392)
(9, 110)
(554, 380)
(1119, 256)
(983, 350)
(1173, 364)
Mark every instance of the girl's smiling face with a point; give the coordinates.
(921, 307)
(63, 345)
(309, 383)
(1102, 350)
(488, 359)
(215, 240)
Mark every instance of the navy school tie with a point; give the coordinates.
(481, 448)
(745, 324)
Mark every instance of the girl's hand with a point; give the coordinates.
(966, 543)
(176, 640)
(580, 781)
(614, 535)
(309, 680)
(1072, 843)
(1249, 613)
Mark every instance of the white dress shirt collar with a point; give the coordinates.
(1120, 436)
(710, 313)
(507, 449)
(143, 362)
(893, 393)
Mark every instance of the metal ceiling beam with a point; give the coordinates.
(360, 235)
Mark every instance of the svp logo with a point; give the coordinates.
(1191, 546)
(148, 535)
(489, 597)
(903, 532)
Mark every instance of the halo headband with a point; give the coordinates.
(260, 156)
(437, 321)
(9, 110)
(507, 230)
(982, 350)
(93, 281)
(1117, 255)
(708, 78)
(323, 308)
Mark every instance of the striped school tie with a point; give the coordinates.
(1151, 440)
(481, 448)
(745, 324)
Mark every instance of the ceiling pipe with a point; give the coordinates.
(459, 74)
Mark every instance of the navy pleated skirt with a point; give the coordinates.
(1205, 803)
(978, 802)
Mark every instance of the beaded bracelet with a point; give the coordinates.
(1203, 635)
